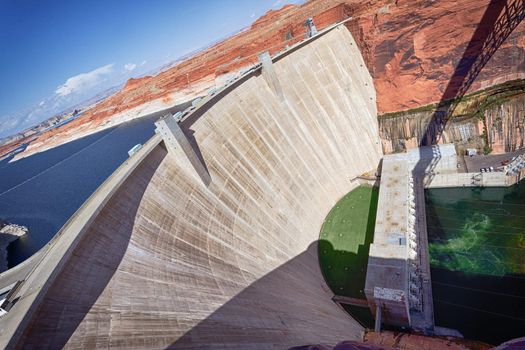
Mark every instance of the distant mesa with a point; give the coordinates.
(134, 83)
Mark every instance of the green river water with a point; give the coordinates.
(477, 256)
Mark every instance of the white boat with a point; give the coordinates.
(134, 149)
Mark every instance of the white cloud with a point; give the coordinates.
(84, 81)
(143, 63)
(252, 15)
(130, 66)
(42, 103)
(9, 122)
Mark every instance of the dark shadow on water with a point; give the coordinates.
(485, 303)
(331, 259)
(89, 269)
(355, 277)
(481, 307)
(371, 223)
(355, 261)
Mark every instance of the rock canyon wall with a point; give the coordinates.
(506, 125)
(491, 120)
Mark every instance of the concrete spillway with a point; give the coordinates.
(158, 258)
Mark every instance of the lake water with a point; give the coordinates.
(477, 253)
(44, 190)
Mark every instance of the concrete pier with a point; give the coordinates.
(180, 147)
(398, 274)
(271, 78)
(387, 273)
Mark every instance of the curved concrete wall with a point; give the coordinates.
(170, 261)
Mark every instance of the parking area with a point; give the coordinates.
(475, 163)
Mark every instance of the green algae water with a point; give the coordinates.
(477, 257)
(344, 242)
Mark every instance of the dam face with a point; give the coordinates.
(170, 261)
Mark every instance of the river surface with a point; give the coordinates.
(477, 254)
(42, 191)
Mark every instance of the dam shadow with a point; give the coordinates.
(76, 290)
(500, 18)
(190, 136)
(289, 306)
(345, 271)
(476, 281)
(498, 21)
(352, 284)
(481, 307)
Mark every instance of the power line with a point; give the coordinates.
(463, 221)
(480, 310)
(478, 201)
(479, 290)
(492, 232)
(483, 245)
(488, 213)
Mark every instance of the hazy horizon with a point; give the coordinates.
(58, 55)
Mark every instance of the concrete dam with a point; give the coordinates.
(216, 243)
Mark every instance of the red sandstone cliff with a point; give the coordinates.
(411, 48)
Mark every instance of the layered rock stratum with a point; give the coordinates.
(489, 120)
(410, 47)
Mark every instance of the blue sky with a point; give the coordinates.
(54, 54)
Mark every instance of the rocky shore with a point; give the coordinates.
(8, 233)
